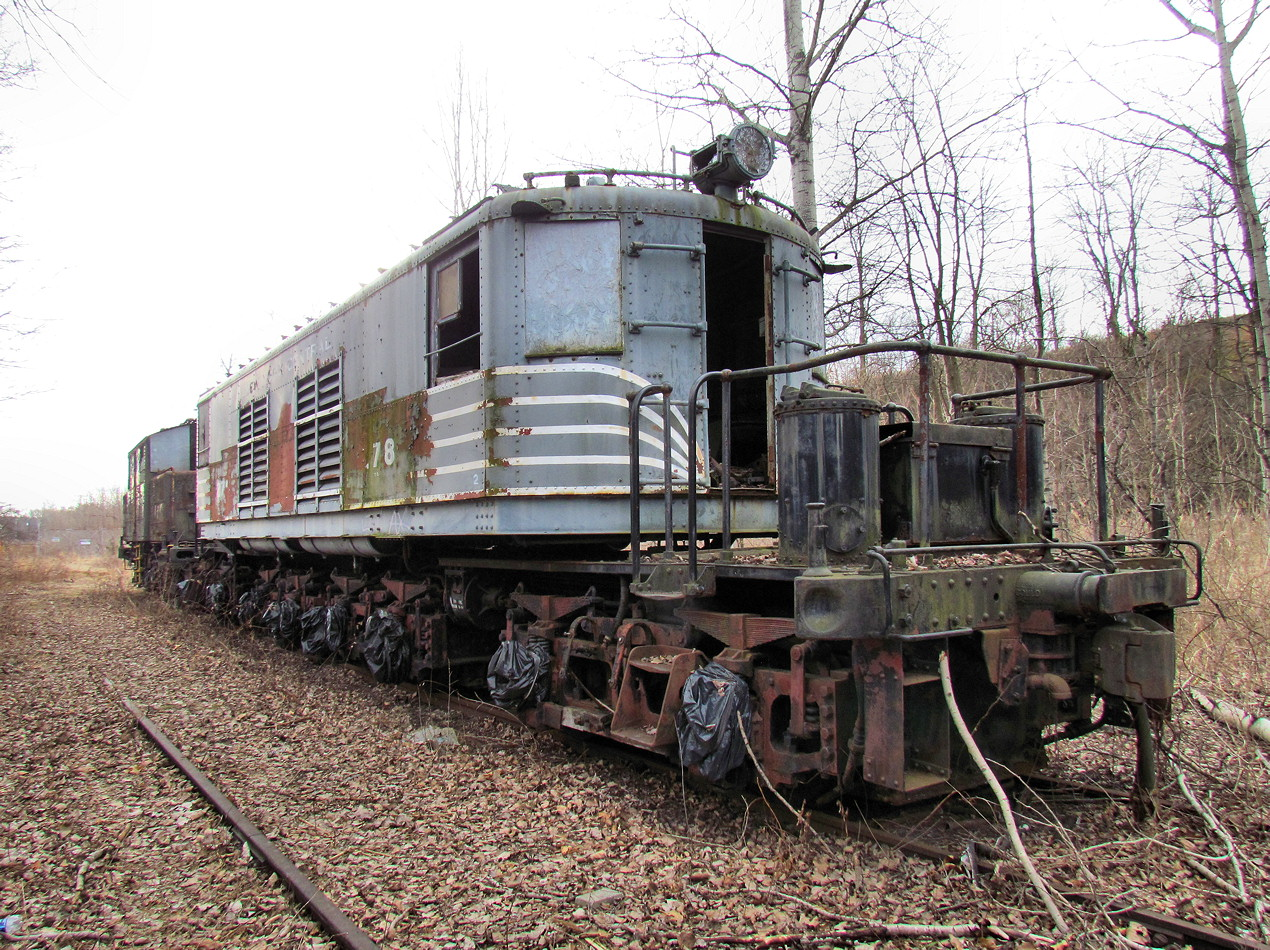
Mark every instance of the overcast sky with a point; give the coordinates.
(196, 180)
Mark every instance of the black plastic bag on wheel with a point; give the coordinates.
(215, 597)
(324, 631)
(249, 605)
(386, 648)
(282, 619)
(518, 674)
(710, 736)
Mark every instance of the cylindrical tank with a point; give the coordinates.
(1003, 417)
(827, 451)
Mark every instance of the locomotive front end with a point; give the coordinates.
(1044, 639)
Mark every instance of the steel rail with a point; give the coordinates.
(346, 933)
(1198, 936)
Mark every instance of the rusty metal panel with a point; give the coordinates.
(572, 288)
(565, 428)
(171, 500)
(883, 703)
(454, 464)
(384, 443)
(1125, 590)
(1136, 658)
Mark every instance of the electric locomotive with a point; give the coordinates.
(580, 451)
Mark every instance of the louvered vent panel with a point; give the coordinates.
(317, 431)
(253, 453)
(305, 396)
(329, 387)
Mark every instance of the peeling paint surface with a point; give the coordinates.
(384, 443)
(221, 486)
(282, 464)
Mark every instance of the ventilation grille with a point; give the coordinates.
(253, 453)
(317, 431)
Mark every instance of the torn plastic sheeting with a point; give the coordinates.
(709, 735)
(216, 596)
(324, 631)
(518, 674)
(282, 619)
(385, 647)
(249, 606)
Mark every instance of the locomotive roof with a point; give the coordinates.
(184, 425)
(560, 203)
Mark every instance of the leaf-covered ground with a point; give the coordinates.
(494, 841)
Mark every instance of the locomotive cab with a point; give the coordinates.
(481, 388)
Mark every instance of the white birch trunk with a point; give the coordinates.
(1236, 154)
(799, 144)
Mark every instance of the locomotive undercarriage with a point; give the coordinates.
(1034, 648)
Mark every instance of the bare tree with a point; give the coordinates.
(1108, 214)
(474, 150)
(30, 29)
(948, 225)
(784, 95)
(1217, 142)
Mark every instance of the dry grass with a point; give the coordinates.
(1225, 641)
(20, 565)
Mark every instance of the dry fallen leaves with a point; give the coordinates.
(486, 843)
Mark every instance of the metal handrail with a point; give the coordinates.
(924, 349)
(637, 403)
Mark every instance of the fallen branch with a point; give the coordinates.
(1217, 828)
(768, 782)
(1238, 890)
(1213, 878)
(1042, 889)
(815, 908)
(1230, 715)
(871, 931)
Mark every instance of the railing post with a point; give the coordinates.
(693, 397)
(925, 468)
(1100, 456)
(637, 402)
(725, 457)
(667, 472)
(1020, 447)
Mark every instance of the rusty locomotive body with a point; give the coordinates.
(584, 431)
(158, 506)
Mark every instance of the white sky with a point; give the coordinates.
(231, 169)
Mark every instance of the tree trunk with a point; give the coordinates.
(1236, 153)
(802, 165)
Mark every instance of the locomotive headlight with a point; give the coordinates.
(752, 150)
(732, 161)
